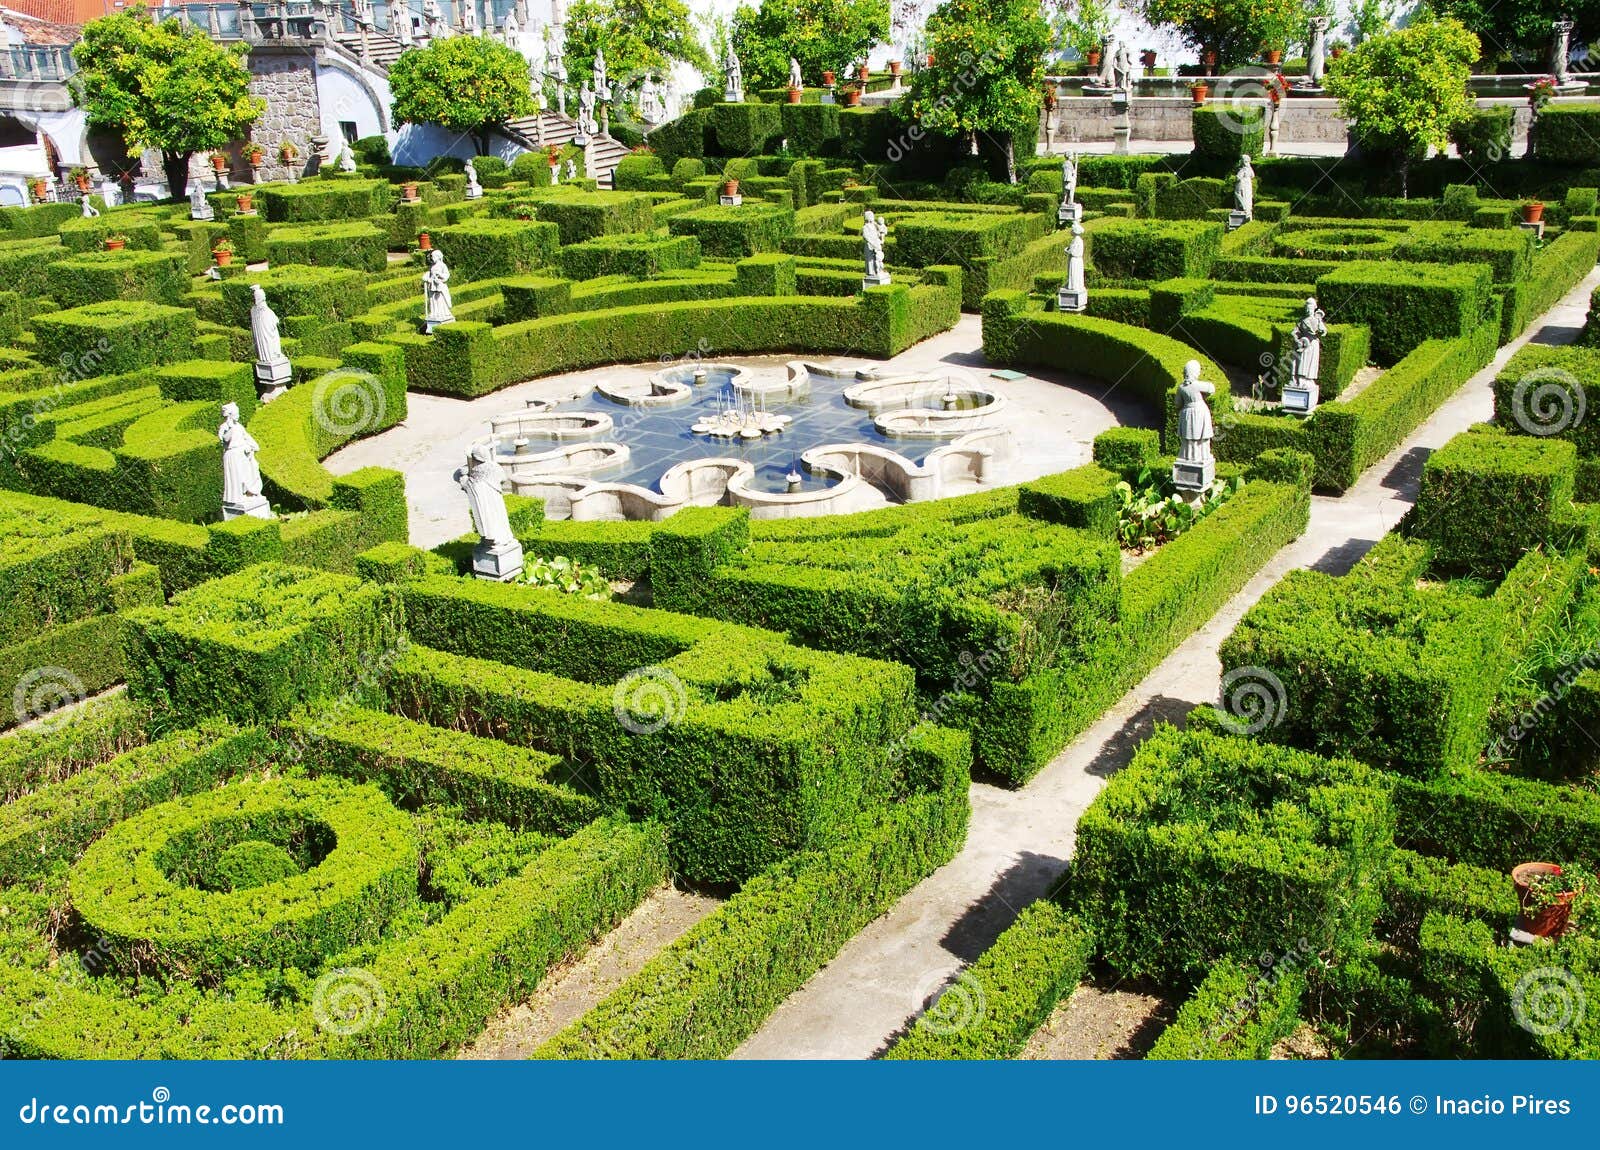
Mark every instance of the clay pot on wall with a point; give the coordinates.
(1540, 917)
(1533, 212)
(424, 242)
(1200, 92)
(794, 95)
(827, 79)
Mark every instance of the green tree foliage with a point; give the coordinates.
(1406, 89)
(163, 86)
(988, 74)
(821, 34)
(1522, 26)
(468, 84)
(1236, 30)
(1081, 25)
(638, 37)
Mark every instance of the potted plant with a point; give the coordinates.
(1049, 97)
(1338, 49)
(864, 74)
(408, 191)
(80, 176)
(852, 97)
(730, 187)
(40, 187)
(222, 252)
(254, 153)
(794, 95)
(1541, 92)
(1273, 56)
(219, 161)
(894, 68)
(424, 242)
(1148, 58)
(1199, 90)
(1546, 894)
(116, 241)
(827, 78)
(246, 204)
(1533, 211)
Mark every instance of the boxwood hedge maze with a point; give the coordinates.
(283, 784)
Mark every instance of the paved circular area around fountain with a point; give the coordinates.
(1053, 420)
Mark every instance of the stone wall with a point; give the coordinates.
(286, 78)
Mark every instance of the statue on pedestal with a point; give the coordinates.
(436, 293)
(1317, 52)
(474, 189)
(1244, 190)
(498, 555)
(795, 79)
(873, 232)
(241, 474)
(1106, 77)
(733, 79)
(400, 21)
(1074, 294)
(199, 207)
(272, 366)
(89, 210)
(1195, 467)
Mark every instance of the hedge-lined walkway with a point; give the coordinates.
(1019, 841)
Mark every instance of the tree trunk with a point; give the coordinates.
(480, 140)
(1405, 174)
(1011, 158)
(175, 166)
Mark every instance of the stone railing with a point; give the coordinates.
(36, 64)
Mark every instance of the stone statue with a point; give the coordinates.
(469, 17)
(1107, 76)
(111, 193)
(199, 207)
(347, 161)
(433, 23)
(1195, 468)
(89, 210)
(474, 189)
(1074, 294)
(436, 294)
(400, 21)
(733, 77)
(1123, 70)
(572, 170)
(795, 79)
(1317, 52)
(873, 233)
(602, 82)
(1244, 189)
(241, 474)
(497, 555)
(272, 366)
(1560, 54)
(588, 124)
(1307, 337)
(1069, 178)
(509, 30)
(651, 109)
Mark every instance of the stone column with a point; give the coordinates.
(1559, 49)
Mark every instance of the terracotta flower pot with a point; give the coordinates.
(1550, 919)
(827, 78)
(247, 202)
(255, 159)
(40, 189)
(1093, 59)
(1274, 56)
(865, 73)
(410, 192)
(730, 187)
(1199, 92)
(223, 258)
(794, 95)
(424, 242)
(115, 245)
(852, 98)
(82, 182)
(1533, 213)
(1148, 58)
(1337, 52)
(219, 162)
(894, 67)
(930, 59)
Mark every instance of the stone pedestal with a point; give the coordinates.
(1537, 228)
(730, 201)
(1188, 476)
(1300, 398)
(498, 562)
(827, 96)
(474, 193)
(1067, 299)
(879, 280)
(1069, 214)
(733, 95)
(272, 378)
(1237, 219)
(204, 212)
(257, 508)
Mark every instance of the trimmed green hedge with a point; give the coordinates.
(156, 277)
(1236, 1013)
(318, 200)
(117, 336)
(1153, 249)
(346, 245)
(485, 249)
(1011, 990)
(1567, 134)
(1208, 847)
(1406, 304)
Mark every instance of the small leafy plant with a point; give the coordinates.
(568, 576)
(1153, 513)
(1549, 889)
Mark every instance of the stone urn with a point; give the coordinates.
(827, 78)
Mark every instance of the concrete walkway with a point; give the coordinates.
(1020, 840)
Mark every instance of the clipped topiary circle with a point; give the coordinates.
(253, 863)
(1353, 243)
(259, 873)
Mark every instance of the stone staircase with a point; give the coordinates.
(533, 132)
